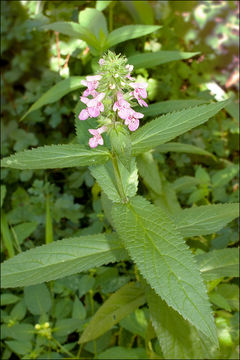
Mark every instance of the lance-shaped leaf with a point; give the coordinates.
(129, 32)
(219, 263)
(56, 92)
(167, 127)
(157, 58)
(74, 30)
(104, 174)
(56, 156)
(115, 308)
(205, 219)
(183, 148)
(165, 261)
(163, 107)
(61, 258)
(177, 337)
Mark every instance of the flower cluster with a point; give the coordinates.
(109, 96)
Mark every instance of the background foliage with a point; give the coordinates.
(41, 206)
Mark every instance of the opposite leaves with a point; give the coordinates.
(165, 261)
(61, 258)
(56, 156)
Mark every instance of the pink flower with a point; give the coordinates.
(130, 68)
(132, 119)
(101, 62)
(139, 91)
(94, 107)
(122, 106)
(97, 138)
(92, 83)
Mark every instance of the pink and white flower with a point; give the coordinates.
(139, 91)
(97, 138)
(122, 106)
(132, 119)
(94, 107)
(130, 69)
(92, 83)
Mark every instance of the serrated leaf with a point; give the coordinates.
(56, 92)
(157, 58)
(61, 258)
(163, 107)
(116, 307)
(164, 260)
(183, 148)
(205, 219)
(56, 156)
(219, 263)
(148, 170)
(167, 127)
(177, 337)
(104, 174)
(129, 32)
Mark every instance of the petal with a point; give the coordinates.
(102, 129)
(84, 82)
(86, 92)
(101, 106)
(94, 111)
(100, 141)
(142, 102)
(94, 78)
(123, 113)
(83, 115)
(133, 125)
(92, 102)
(93, 131)
(100, 96)
(84, 99)
(93, 142)
(138, 115)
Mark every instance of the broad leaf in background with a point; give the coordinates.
(183, 148)
(177, 337)
(56, 156)
(61, 258)
(141, 11)
(104, 174)
(62, 88)
(38, 299)
(116, 307)
(74, 30)
(167, 127)
(165, 261)
(148, 170)
(157, 58)
(129, 32)
(94, 21)
(164, 107)
(219, 263)
(223, 177)
(205, 219)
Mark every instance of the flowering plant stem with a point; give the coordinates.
(118, 178)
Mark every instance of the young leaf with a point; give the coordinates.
(164, 107)
(177, 337)
(129, 32)
(219, 263)
(167, 127)
(164, 260)
(116, 307)
(56, 156)
(205, 219)
(74, 30)
(61, 258)
(183, 148)
(104, 174)
(157, 58)
(56, 92)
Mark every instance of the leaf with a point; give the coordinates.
(158, 58)
(23, 332)
(129, 32)
(164, 260)
(164, 107)
(167, 127)
(74, 30)
(219, 263)
(148, 170)
(185, 148)
(104, 174)
(93, 20)
(56, 92)
(120, 352)
(141, 11)
(6, 235)
(102, 4)
(38, 299)
(3, 193)
(65, 327)
(184, 183)
(56, 156)
(8, 298)
(205, 219)
(223, 177)
(24, 230)
(136, 323)
(116, 307)
(79, 311)
(61, 258)
(178, 339)
(20, 347)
